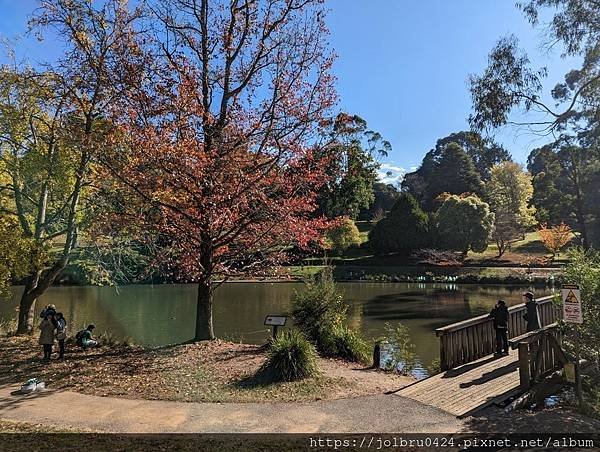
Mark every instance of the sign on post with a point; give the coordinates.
(275, 321)
(571, 298)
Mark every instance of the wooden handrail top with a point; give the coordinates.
(531, 336)
(484, 318)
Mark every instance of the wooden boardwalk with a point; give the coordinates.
(470, 387)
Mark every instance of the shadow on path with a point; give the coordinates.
(466, 368)
(489, 376)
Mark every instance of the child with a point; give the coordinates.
(61, 334)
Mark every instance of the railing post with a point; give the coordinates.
(524, 365)
(443, 354)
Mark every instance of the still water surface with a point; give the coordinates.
(164, 314)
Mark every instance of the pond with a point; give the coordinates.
(164, 314)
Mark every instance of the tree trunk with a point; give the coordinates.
(36, 285)
(27, 306)
(204, 320)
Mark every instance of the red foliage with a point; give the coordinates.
(229, 189)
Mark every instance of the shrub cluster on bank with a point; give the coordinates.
(290, 357)
(320, 312)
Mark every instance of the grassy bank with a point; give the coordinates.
(526, 263)
(214, 371)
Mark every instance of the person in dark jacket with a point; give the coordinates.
(61, 333)
(500, 317)
(532, 316)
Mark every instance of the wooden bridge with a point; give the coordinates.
(472, 378)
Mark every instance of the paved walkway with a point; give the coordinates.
(379, 413)
(463, 390)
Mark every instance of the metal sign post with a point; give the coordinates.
(572, 313)
(275, 321)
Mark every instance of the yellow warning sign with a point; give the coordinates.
(571, 298)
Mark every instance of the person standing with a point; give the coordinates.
(61, 334)
(47, 327)
(500, 317)
(532, 316)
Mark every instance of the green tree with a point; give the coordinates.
(51, 125)
(565, 178)
(484, 152)
(343, 236)
(510, 83)
(447, 169)
(509, 192)
(464, 223)
(385, 196)
(405, 228)
(17, 254)
(584, 270)
(351, 161)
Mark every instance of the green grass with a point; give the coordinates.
(531, 244)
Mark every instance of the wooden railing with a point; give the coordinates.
(540, 354)
(474, 338)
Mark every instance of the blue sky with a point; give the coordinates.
(402, 65)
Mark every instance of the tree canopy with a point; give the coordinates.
(405, 228)
(565, 181)
(52, 125)
(385, 196)
(447, 169)
(484, 151)
(342, 236)
(508, 193)
(350, 159)
(464, 223)
(509, 82)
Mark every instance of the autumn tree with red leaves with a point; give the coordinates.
(214, 157)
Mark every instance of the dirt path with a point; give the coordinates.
(378, 413)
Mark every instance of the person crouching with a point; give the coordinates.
(85, 338)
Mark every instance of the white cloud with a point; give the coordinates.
(389, 173)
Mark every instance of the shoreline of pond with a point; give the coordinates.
(163, 314)
(497, 275)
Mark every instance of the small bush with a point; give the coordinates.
(320, 308)
(584, 270)
(400, 347)
(347, 344)
(320, 313)
(291, 357)
(435, 367)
